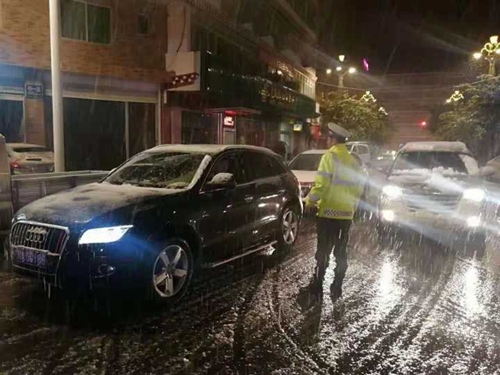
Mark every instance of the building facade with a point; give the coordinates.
(256, 84)
(111, 91)
(118, 57)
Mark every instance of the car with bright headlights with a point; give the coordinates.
(159, 218)
(437, 190)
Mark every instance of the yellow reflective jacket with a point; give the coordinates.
(338, 185)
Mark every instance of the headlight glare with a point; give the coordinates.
(103, 235)
(476, 195)
(392, 191)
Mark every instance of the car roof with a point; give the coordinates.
(208, 148)
(314, 152)
(23, 145)
(435, 146)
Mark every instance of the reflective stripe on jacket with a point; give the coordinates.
(338, 184)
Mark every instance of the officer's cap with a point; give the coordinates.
(337, 130)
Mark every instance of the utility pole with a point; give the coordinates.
(57, 96)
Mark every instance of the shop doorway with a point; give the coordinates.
(11, 120)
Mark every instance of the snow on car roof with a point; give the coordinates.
(207, 148)
(315, 152)
(23, 145)
(435, 146)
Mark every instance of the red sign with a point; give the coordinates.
(229, 121)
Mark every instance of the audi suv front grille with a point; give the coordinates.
(39, 236)
(435, 203)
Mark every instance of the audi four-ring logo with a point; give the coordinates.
(36, 235)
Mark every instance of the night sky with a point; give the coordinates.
(403, 36)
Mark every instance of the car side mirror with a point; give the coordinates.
(222, 181)
(487, 171)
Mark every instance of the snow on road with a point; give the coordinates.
(413, 309)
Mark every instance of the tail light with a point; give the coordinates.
(14, 164)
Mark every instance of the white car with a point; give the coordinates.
(28, 158)
(305, 166)
(362, 149)
(436, 189)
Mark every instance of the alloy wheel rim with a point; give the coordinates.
(290, 227)
(170, 271)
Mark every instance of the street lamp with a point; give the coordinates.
(491, 52)
(455, 97)
(341, 72)
(328, 71)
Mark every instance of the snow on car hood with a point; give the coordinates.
(86, 202)
(439, 179)
(305, 176)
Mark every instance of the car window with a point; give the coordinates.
(258, 166)
(30, 149)
(172, 170)
(418, 162)
(306, 162)
(229, 163)
(277, 168)
(362, 150)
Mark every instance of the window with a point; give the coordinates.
(142, 24)
(306, 162)
(363, 150)
(447, 163)
(258, 166)
(82, 21)
(230, 163)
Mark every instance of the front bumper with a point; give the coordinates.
(467, 221)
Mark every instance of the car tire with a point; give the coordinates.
(288, 230)
(169, 271)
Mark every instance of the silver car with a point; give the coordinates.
(29, 158)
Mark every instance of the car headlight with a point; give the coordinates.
(103, 235)
(476, 195)
(392, 191)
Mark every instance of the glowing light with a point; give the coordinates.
(494, 39)
(392, 191)
(352, 70)
(329, 71)
(476, 195)
(280, 73)
(477, 55)
(103, 235)
(473, 221)
(341, 58)
(366, 66)
(388, 215)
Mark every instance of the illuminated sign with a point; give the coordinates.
(297, 127)
(229, 121)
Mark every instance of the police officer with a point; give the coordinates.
(335, 195)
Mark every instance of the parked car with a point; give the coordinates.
(28, 158)
(436, 190)
(158, 218)
(494, 166)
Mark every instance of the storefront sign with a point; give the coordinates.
(229, 121)
(297, 127)
(34, 91)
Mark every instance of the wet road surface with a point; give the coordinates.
(409, 309)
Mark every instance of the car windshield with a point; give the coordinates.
(447, 163)
(306, 162)
(172, 170)
(23, 150)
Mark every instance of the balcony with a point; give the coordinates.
(236, 90)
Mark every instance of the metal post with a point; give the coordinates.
(57, 97)
(492, 70)
(341, 81)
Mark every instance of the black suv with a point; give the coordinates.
(160, 217)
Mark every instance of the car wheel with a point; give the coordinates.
(288, 230)
(170, 271)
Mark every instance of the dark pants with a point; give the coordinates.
(332, 234)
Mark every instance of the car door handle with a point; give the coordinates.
(248, 198)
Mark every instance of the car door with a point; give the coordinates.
(226, 212)
(269, 192)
